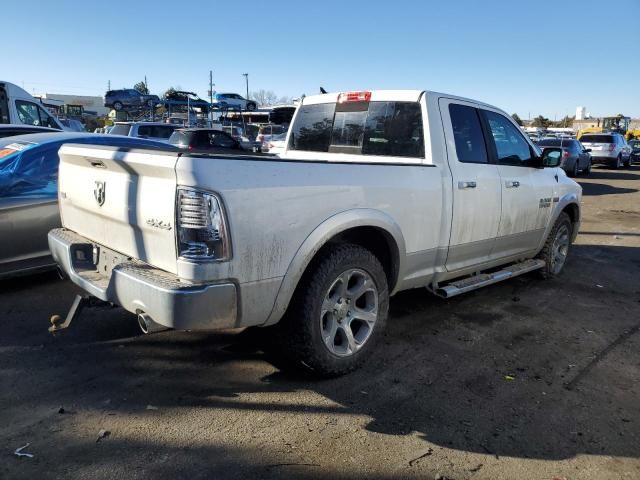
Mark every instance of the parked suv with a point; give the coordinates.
(575, 158)
(234, 101)
(154, 131)
(128, 97)
(608, 148)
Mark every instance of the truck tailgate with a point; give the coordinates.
(121, 198)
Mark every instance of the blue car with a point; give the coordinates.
(29, 197)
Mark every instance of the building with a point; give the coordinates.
(90, 104)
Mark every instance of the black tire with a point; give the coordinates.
(117, 106)
(549, 252)
(300, 332)
(627, 164)
(574, 170)
(251, 107)
(618, 163)
(587, 170)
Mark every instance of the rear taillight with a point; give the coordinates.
(202, 231)
(354, 97)
(565, 154)
(612, 147)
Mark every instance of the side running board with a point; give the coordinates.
(483, 279)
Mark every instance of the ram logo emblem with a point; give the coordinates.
(99, 192)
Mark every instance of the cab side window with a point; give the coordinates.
(467, 133)
(511, 147)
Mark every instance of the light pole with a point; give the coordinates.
(246, 79)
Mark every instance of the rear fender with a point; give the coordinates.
(322, 234)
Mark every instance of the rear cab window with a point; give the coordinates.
(376, 128)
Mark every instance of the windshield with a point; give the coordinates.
(180, 138)
(597, 139)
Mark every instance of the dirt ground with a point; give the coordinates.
(527, 379)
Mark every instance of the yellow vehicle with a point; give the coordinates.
(619, 124)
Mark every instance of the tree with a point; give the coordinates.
(142, 88)
(264, 98)
(516, 119)
(541, 121)
(172, 94)
(566, 122)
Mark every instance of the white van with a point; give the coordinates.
(18, 107)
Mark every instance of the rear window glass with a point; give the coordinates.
(597, 139)
(555, 142)
(155, 131)
(120, 130)
(467, 133)
(375, 128)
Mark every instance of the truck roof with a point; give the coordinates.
(389, 96)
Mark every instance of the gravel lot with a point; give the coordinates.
(527, 379)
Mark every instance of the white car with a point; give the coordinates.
(276, 145)
(151, 130)
(375, 193)
(234, 101)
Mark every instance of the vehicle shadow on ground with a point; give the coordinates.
(596, 189)
(490, 372)
(602, 173)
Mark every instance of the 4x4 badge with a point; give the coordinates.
(99, 192)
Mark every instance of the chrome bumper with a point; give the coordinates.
(138, 287)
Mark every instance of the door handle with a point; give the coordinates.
(463, 185)
(512, 184)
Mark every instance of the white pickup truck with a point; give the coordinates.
(377, 192)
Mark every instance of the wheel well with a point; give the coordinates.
(573, 212)
(377, 241)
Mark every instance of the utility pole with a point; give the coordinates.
(108, 85)
(146, 85)
(211, 95)
(246, 79)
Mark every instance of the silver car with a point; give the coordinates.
(608, 148)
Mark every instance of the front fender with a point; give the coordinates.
(323, 233)
(568, 199)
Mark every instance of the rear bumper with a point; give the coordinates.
(138, 287)
(602, 157)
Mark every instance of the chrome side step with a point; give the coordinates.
(483, 279)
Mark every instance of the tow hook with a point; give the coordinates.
(79, 303)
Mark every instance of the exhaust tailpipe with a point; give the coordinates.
(147, 325)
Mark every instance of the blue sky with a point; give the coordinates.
(530, 57)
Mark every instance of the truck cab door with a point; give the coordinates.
(527, 191)
(476, 186)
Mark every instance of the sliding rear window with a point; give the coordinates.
(362, 128)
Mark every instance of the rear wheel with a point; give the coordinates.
(618, 163)
(587, 169)
(556, 248)
(338, 312)
(627, 164)
(575, 169)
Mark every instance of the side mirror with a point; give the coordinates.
(588, 150)
(551, 157)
